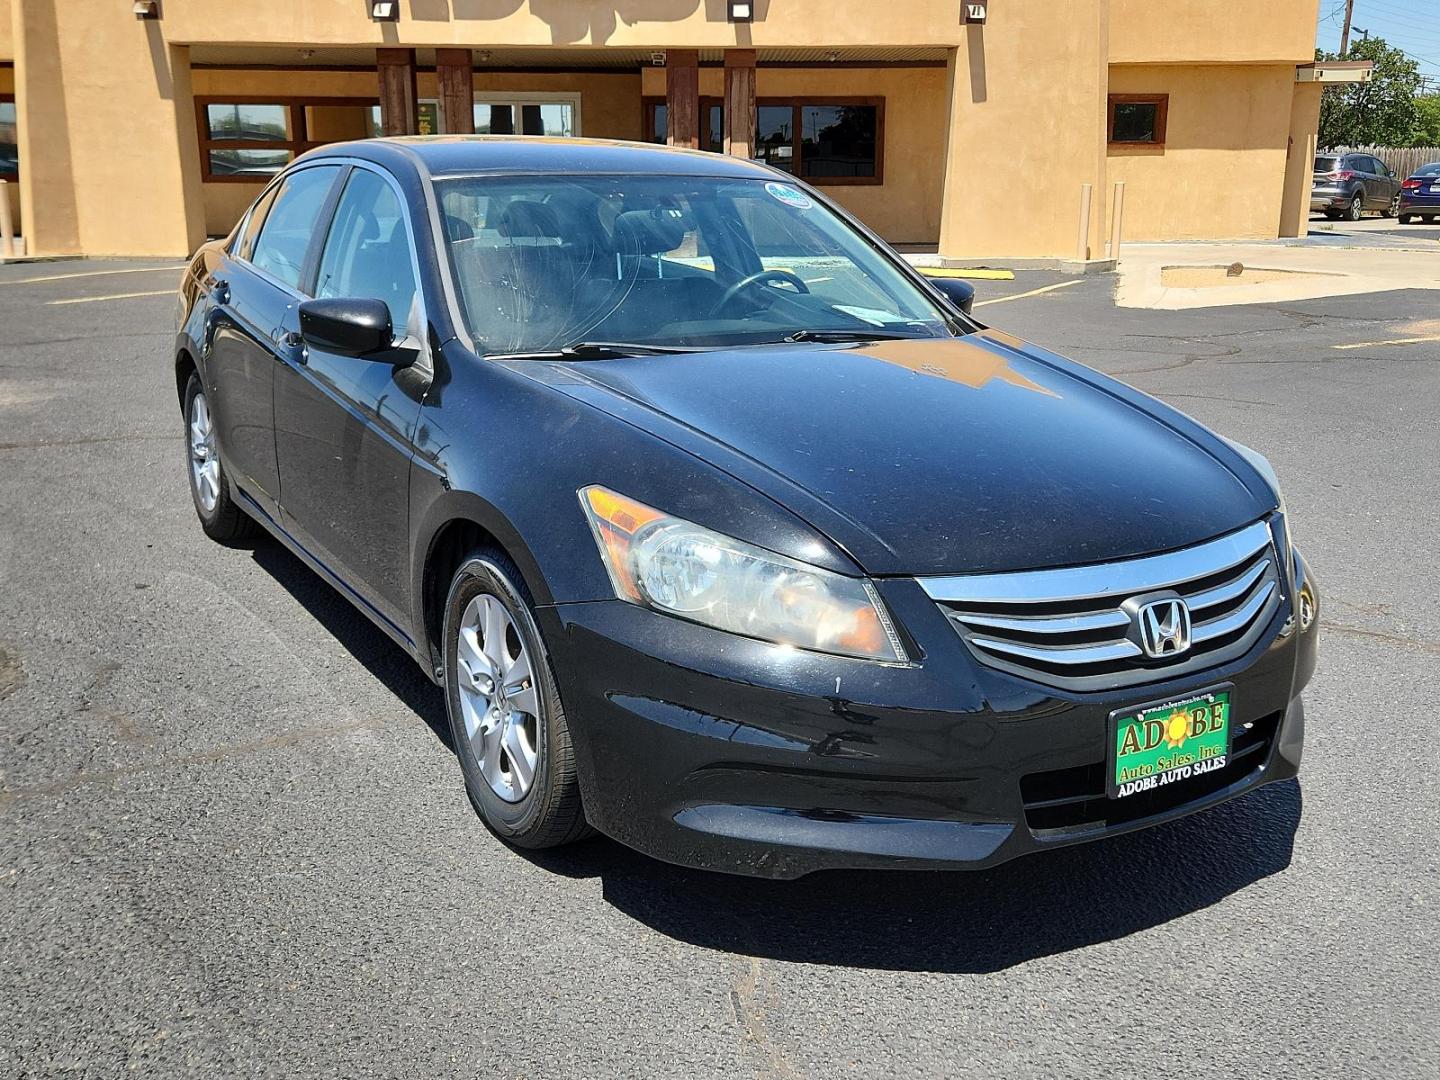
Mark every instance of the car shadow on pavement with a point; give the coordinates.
(359, 636)
(961, 921)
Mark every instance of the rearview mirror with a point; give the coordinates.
(349, 327)
(960, 291)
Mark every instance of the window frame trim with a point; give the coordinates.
(297, 143)
(1162, 118)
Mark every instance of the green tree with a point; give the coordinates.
(1427, 131)
(1381, 112)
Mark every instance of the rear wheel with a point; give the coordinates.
(221, 519)
(1356, 209)
(1406, 219)
(506, 722)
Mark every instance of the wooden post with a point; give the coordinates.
(682, 96)
(455, 72)
(399, 104)
(740, 102)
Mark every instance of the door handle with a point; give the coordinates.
(220, 290)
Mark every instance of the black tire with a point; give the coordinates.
(1393, 208)
(224, 522)
(1406, 219)
(1356, 210)
(550, 813)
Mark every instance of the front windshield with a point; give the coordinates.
(547, 262)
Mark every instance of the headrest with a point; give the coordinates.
(524, 218)
(458, 228)
(649, 232)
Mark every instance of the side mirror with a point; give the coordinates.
(349, 327)
(960, 291)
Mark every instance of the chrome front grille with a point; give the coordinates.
(1079, 628)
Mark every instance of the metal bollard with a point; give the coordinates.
(1117, 215)
(7, 239)
(1082, 243)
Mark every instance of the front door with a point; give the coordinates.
(343, 424)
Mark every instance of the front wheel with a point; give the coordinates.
(1356, 208)
(506, 723)
(1393, 209)
(219, 516)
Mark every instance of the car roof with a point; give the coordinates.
(464, 155)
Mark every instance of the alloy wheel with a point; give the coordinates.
(498, 698)
(1357, 208)
(204, 462)
(1394, 207)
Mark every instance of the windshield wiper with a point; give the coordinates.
(848, 335)
(595, 350)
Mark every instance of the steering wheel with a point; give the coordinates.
(755, 279)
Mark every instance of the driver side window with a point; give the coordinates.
(367, 253)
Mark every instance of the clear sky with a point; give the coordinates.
(1412, 25)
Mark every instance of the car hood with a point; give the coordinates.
(963, 455)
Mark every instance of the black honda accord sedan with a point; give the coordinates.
(725, 532)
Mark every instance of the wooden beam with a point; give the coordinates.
(682, 96)
(455, 73)
(399, 102)
(740, 102)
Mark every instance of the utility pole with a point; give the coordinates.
(1345, 33)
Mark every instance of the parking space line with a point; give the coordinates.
(116, 296)
(1032, 292)
(96, 273)
(1392, 341)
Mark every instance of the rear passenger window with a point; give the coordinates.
(287, 229)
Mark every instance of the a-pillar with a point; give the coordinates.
(399, 104)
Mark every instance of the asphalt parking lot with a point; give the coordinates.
(233, 841)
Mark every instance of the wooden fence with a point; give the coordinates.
(1404, 160)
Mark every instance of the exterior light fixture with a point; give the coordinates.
(657, 58)
(385, 10)
(146, 9)
(740, 10)
(975, 11)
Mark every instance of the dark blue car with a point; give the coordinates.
(1420, 195)
(724, 532)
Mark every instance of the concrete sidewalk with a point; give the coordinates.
(1178, 276)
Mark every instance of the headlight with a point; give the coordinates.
(679, 568)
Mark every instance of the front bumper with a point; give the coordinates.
(712, 751)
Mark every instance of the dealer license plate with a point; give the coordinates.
(1153, 746)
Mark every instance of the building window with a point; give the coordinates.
(248, 140)
(1138, 119)
(824, 140)
(9, 139)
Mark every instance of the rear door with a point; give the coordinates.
(255, 290)
(344, 425)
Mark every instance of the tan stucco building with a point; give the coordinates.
(139, 136)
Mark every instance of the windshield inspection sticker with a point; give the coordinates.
(789, 196)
